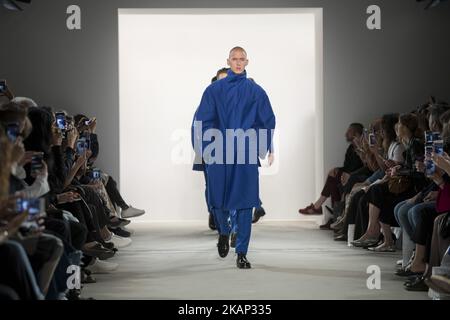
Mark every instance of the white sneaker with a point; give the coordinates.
(119, 242)
(100, 266)
(132, 213)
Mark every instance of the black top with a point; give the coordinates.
(352, 161)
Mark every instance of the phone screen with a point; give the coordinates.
(372, 139)
(81, 146)
(438, 147)
(34, 206)
(428, 137)
(61, 121)
(37, 163)
(430, 168)
(12, 131)
(2, 86)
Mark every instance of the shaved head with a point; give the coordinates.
(237, 60)
(240, 49)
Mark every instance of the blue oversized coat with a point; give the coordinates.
(234, 102)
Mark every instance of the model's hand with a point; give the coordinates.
(271, 159)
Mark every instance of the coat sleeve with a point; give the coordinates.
(265, 124)
(204, 119)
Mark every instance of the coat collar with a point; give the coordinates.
(232, 77)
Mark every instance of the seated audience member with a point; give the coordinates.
(332, 185)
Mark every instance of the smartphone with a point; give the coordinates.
(438, 147)
(372, 139)
(37, 163)
(89, 121)
(430, 167)
(12, 131)
(34, 206)
(81, 146)
(87, 137)
(428, 137)
(95, 174)
(436, 136)
(2, 86)
(61, 121)
(429, 151)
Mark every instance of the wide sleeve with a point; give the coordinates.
(204, 119)
(265, 124)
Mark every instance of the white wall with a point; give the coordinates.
(168, 57)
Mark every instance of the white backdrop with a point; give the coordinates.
(167, 59)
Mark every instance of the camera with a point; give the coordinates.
(12, 131)
(2, 86)
(37, 163)
(61, 121)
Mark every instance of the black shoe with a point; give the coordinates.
(258, 214)
(341, 237)
(211, 222)
(223, 247)
(108, 245)
(418, 285)
(407, 273)
(121, 233)
(242, 262)
(87, 277)
(233, 240)
(326, 226)
(75, 295)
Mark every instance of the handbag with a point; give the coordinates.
(444, 227)
(399, 184)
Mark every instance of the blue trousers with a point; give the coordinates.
(408, 215)
(243, 226)
(211, 212)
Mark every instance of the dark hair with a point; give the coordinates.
(436, 111)
(220, 71)
(445, 121)
(411, 121)
(357, 127)
(388, 122)
(223, 70)
(41, 134)
(78, 120)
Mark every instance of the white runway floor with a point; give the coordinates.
(291, 260)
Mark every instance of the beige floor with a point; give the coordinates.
(291, 260)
